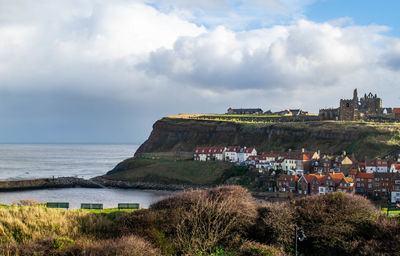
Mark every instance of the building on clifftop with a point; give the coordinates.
(354, 109)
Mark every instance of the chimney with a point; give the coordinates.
(319, 152)
(302, 150)
(344, 153)
(290, 150)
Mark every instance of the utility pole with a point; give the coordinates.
(295, 240)
(298, 235)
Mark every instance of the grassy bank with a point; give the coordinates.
(223, 221)
(169, 170)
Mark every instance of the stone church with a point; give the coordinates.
(355, 109)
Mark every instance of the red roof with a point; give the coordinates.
(286, 177)
(376, 162)
(353, 172)
(337, 177)
(396, 111)
(381, 163)
(233, 149)
(308, 177)
(365, 175)
(209, 150)
(248, 150)
(370, 163)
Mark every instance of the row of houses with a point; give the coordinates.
(302, 162)
(315, 184)
(367, 184)
(259, 111)
(233, 154)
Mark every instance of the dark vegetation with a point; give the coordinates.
(219, 221)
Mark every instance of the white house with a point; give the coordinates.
(245, 152)
(231, 154)
(370, 166)
(289, 164)
(209, 153)
(395, 167)
(395, 197)
(200, 154)
(381, 166)
(377, 165)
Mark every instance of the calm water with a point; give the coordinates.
(42, 161)
(75, 196)
(39, 161)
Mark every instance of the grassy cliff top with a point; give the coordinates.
(258, 122)
(168, 170)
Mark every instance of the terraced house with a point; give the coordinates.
(209, 154)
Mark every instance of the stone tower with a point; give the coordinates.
(355, 98)
(346, 110)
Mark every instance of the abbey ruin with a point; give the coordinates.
(367, 107)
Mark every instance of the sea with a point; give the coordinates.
(30, 161)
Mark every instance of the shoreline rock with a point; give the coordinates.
(44, 183)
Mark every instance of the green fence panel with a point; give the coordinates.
(92, 206)
(63, 205)
(128, 206)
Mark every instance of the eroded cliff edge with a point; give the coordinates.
(363, 139)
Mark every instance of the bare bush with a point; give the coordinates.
(275, 225)
(28, 202)
(198, 220)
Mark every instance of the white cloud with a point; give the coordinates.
(151, 62)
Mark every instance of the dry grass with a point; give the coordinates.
(22, 224)
(124, 246)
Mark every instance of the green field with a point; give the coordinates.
(162, 169)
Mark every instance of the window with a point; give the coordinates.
(397, 182)
(369, 185)
(369, 180)
(358, 179)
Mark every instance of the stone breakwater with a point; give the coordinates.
(145, 185)
(61, 182)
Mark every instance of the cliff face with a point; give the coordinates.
(173, 135)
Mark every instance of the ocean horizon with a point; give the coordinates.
(47, 160)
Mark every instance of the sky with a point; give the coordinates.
(99, 71)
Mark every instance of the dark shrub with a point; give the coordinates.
(197, 221)
(249, 248)
(275, 225)
(334, 223)
(382, 238)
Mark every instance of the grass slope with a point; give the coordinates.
(169, 171)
